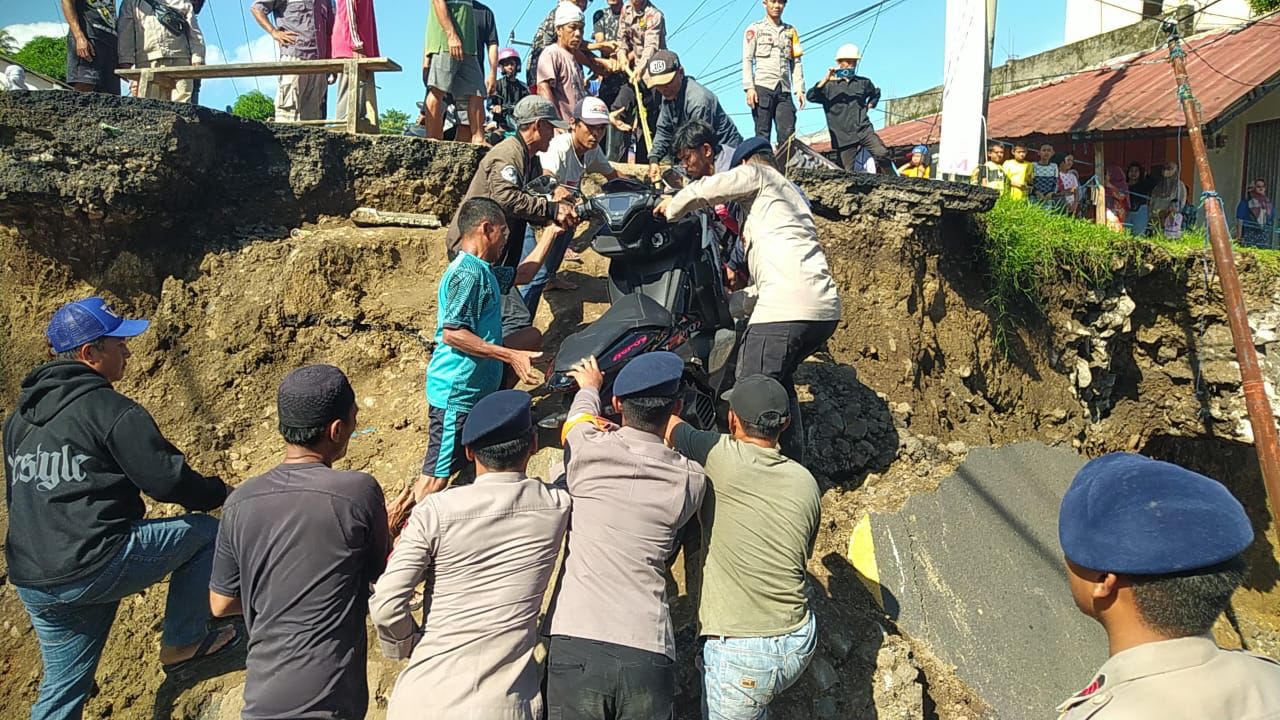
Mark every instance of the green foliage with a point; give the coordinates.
(8, 45)
(255, 106)
(45, 55)
(392, 122)
(1260, 7)
(1028, 245)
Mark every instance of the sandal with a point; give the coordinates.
(203, 653)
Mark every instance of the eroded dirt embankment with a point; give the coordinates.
(226, 233)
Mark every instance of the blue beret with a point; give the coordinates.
(653, 375)
(1132, 515)
(504, 415)
(748, 148)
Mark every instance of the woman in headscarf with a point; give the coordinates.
(1168, 198)
(1117, 197)
(1255, 216)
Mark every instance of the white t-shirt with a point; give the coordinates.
(560, 160)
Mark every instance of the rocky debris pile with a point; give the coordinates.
(1086, 346)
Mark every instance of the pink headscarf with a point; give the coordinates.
(1263, 201)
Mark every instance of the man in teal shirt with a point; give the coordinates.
(451, 66)
(469, 356)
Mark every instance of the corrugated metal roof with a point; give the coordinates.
(1134, 93)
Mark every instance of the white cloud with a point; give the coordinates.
(24, 32)
(222, 92)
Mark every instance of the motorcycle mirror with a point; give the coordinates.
(542, 185)
(674, 178)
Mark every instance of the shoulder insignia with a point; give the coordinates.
(751, 34)
(511, 175)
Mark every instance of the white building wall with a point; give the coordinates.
(1227, 163)
(1087, 18)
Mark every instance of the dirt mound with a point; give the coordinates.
(216, 228)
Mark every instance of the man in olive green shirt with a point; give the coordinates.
(759, 522)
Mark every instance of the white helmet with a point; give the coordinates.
(848, 51)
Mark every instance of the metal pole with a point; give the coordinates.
(1255, 394)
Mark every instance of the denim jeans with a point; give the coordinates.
(532, 293)
(741, 676)
(72, 620)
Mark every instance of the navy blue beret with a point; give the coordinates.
(749, 147)
(1132, 515)
(654, 375)
(504, 415)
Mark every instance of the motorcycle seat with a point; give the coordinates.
(631, 312)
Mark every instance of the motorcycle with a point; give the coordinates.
(667, 292)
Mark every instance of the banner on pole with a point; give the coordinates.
(963, 80)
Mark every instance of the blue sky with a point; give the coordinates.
(903, 50)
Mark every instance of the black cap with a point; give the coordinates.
(314, 396)
(662, 68)
(758, 397)
(499, 417)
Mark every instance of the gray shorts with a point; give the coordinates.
(460, 78)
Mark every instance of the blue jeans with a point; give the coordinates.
(532, 293)
(72, 620)
(741, 676)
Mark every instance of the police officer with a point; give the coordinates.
(489, 549)
(1154, 554)
(771, 72)
(612, 645)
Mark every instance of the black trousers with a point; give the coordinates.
(875, 146)
(626, 99)
(775, 107)
(776, 350)
(593, 680)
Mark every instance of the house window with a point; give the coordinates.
(1262, 154)
(1152, 9)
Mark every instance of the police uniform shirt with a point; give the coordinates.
(641, 34)
(1185, 679)
(773, 50)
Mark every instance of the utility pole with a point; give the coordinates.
(1255, 394)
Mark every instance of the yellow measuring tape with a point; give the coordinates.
(643, 114)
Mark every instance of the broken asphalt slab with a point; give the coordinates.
(975, 571)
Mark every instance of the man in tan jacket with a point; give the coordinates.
(796, 305)
(486, 552)
(160, 33)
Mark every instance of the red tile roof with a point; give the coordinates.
(1135, 93)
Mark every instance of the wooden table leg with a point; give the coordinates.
(368, 102)
(144, 82)
(351, 78)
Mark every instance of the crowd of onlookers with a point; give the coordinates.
(1155, 203)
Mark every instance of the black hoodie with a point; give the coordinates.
(78, 456)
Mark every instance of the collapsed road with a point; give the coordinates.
(232, 236)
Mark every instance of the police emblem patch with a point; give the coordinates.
(510, 174)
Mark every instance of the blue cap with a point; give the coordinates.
(748, 148)
(922, 149)
(84, 321)
(653, 375)
(1132, 515)
(499, 417)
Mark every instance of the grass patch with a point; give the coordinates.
(1029, 246)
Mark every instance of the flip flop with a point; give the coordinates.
(202, 652)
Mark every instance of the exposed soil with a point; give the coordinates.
(229, 235)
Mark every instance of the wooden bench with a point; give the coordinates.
(356, 70)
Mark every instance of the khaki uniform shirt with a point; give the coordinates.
(771, 57)
(486, 553)
(631, 495)
(641, 34)
(790, 278)
(1184, 679)
(142, 38)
